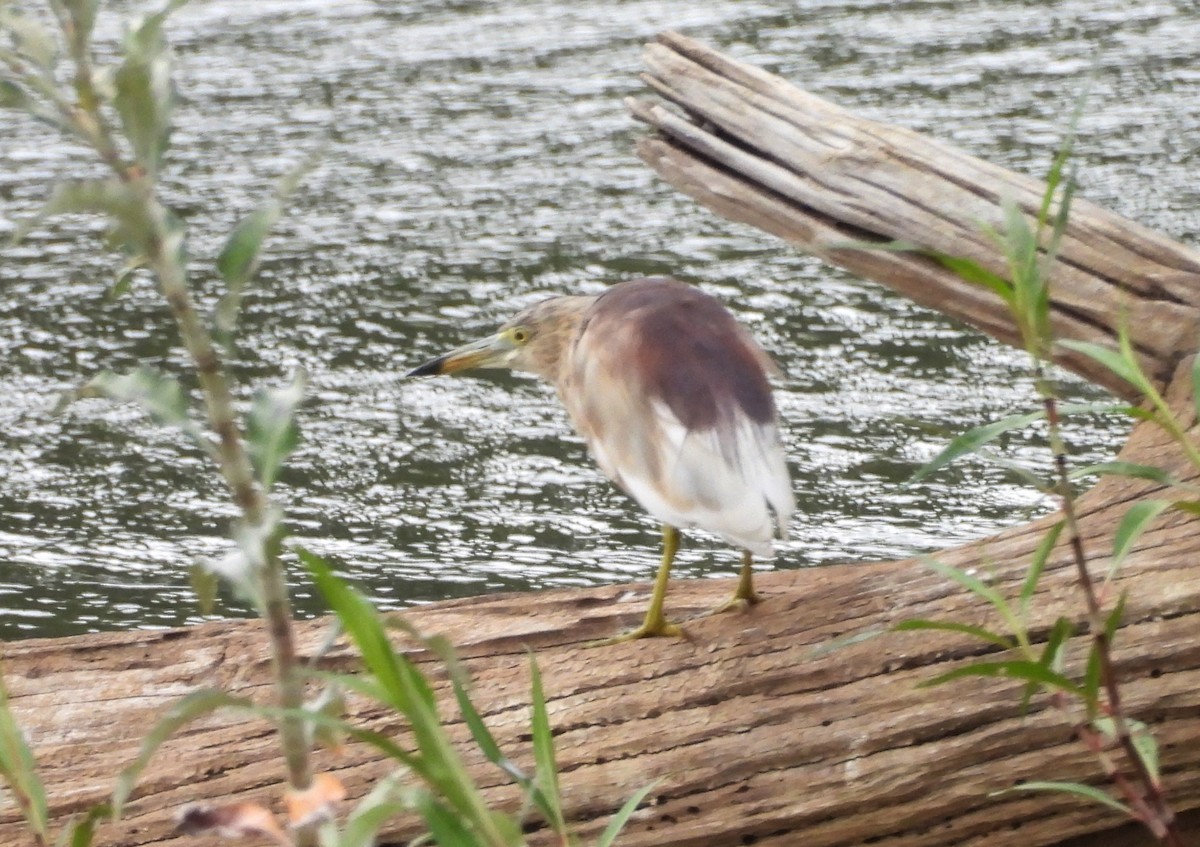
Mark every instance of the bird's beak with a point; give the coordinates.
(490, 352)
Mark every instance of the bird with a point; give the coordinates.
(672, 397)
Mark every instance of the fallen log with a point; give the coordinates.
(801, 721)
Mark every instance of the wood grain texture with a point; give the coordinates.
(801, 721)
(756, 149)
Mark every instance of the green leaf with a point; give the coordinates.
(145, 96)
(915, 624)
(193, 706)
(13, 96)
(547, 796)
(124, 279)
(1131, 527)
(1132, 470)
(83, 14)
(20, 770)
(976, 273)
(1077, 788)
(205, 583)
(609, 836)
(1038, 564)
(240, 256)
(161, 397)
(1196, 384)
(144, 101)
(372, 812)
(1051, 657)
(1113, 622)
(1128, 370)
(970, 582)
(32, 40)
(81, 833)
(271, 429)
(1091, 681)
(483, 736)
(1020, 669)
(110, 197)
(974, 438)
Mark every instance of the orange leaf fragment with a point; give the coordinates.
(316, 802)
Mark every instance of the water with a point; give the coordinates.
(479, 157)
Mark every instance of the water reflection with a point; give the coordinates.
(480, 158)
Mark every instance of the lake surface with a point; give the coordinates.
(479, 158)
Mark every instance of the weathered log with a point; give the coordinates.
(761, 151)
(800, 722)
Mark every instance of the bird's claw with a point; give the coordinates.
(659, 629)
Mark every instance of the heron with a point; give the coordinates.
(672, 397)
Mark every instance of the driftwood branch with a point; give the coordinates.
(800, 722)
(756, 149)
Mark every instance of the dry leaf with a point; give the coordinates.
(314, 803)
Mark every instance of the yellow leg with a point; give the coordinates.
(744, 596)
(655, 623)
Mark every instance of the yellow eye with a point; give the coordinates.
(520, 335)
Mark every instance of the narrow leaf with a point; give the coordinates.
(1051, 657)
(19, 769)
(1196, 384)
(240, 256)
(916, 624)
(81, 833)
(193, 706)
(976, 273)
(32, 40)
(546, 776)
(1019, 669)
(271, 428)
(1038, 564)
(971, 440)
(161, 397)
(609, 836)
(1078, 788)
(1132, 470)
(205, 583)
(970, 582)
(1130, 371)
(1131, 527)
(110, 197)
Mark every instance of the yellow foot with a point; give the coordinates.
(660, 630)
(734, 603)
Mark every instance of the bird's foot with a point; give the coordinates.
(740, 602)
(650, 629)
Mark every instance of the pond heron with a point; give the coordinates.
(671, 395)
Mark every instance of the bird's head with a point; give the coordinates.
(534, 340)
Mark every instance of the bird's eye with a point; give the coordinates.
(520, 335)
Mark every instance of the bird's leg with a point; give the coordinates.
(744, 596)
(655, 623)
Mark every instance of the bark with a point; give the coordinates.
(801, 721)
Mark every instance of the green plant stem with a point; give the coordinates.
(167, 257)
(1147, 799)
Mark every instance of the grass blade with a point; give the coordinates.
(609, 836)
(546, 777)
(918, 624)
(195, 705)
(971, 440)
(1112, 360)
(1131, 527)
(1077, 788)
(1020, 669)
(20, 770)
(1038, 564)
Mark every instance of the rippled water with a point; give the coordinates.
(480, 157)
